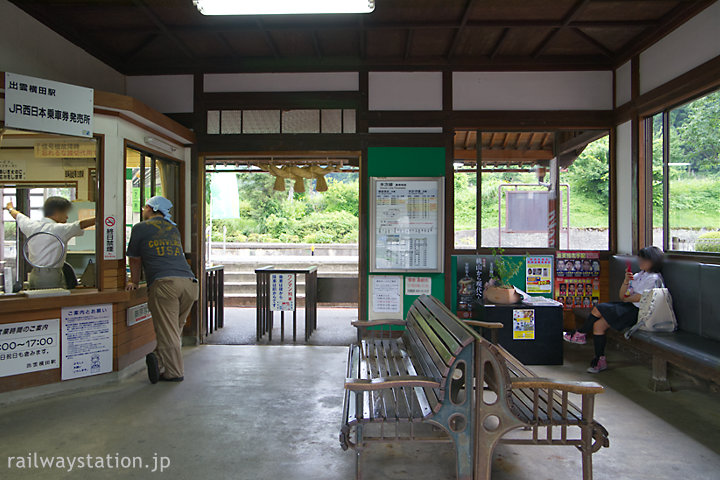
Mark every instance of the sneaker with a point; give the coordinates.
(598, 365)
(163, 378)
(577, 338)
(153, 367)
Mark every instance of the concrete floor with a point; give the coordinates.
(333, 328)
(272, 412)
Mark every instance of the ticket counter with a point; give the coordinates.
(133, 153)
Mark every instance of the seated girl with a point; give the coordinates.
(623, 314)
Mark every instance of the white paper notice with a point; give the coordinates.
(387, 294)
(418, 286)
(29, 347)
(406, 225)
(282, 292)
(87, 340)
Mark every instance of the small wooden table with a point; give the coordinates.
(264, 323)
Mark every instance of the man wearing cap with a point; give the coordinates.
(156, 247)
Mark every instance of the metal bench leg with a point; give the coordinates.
(659, 381)
(358, 452)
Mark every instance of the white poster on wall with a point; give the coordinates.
(418, 286)
(29, 347)
(87, 341)
(137, 314)
(387, 294)
(43, 105)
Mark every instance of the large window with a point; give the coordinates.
(535, 190)
(685, 156)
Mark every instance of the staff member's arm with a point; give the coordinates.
(87, 223)
(11, 209)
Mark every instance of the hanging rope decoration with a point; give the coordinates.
(299, 175)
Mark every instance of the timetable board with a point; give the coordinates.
(406, 224)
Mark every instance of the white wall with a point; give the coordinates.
(405, 91)
(623, 84)
(281, 82)
(532, 90)
(30, 48)
(116, 131)
(164, 93)
(691, 45)
(624, 187)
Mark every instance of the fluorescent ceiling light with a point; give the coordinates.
(282, 7)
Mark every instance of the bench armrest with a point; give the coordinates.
(580, 388)
(481, 324)
(364, 385)
(379, 322)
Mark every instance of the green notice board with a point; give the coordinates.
(404, 162)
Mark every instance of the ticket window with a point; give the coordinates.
(33, 168)
(147, 175)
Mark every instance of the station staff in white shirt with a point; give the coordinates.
(44, 250)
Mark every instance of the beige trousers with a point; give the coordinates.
(170, 300)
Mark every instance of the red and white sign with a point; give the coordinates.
(418, 285)
(110, 221)
(282, 291)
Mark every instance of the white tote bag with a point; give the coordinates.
(656, 312)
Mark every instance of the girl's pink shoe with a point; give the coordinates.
(577, 338)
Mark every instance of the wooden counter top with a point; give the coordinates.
(20, 303)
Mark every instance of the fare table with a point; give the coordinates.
(532, 332)
(277, 292)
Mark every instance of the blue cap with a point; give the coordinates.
(162, 205)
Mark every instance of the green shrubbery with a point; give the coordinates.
(708, 242)
(281, 217)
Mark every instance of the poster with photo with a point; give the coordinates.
(538, 278)
(577, 279)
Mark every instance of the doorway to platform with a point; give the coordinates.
(292, 211)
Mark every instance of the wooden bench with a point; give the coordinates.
(397, 389)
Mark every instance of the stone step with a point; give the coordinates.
(251, 277)
(344, 266)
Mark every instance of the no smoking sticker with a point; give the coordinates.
(110, 221)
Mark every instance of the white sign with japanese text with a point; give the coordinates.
(87, 340)
(418, 286)
(46, 106)
(387, 294)
(29, 347)
(110, 240)
(137, 314)
(282, 291)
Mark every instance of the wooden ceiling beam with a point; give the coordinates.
(495, 155)
(409, 43)
(268, 38)
(141, 46)
(580, 141)
(499, 43)
(605, 51)
(163, 28)
(466, 143)
(316, 44)
(669, 22)
(460, 28)
(574, 11)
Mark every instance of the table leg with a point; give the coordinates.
(294, 325)
(282, 326)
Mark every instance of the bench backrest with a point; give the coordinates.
(693, 287)
(436, 337)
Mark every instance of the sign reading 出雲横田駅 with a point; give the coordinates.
(46, 106)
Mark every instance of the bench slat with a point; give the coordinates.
(366, 397)
(427, 398)
(459, 331)
(431, 340)
(440, 329)
(380, 408)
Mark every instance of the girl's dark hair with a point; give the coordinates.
(655, 256)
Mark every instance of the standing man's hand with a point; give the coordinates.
(9, 206)
(130, 286)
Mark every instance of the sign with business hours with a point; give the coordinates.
(387, 294)
(282, 291)
(29, 347)
(538, 278)
(46, 106)
(524, 324)
(87, 341)
(418, 285)
(137, 314)
(110, 240)
(12, 169)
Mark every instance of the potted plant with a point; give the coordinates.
(499, 289)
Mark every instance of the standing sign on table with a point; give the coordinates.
(282, 292)
(87, 340)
